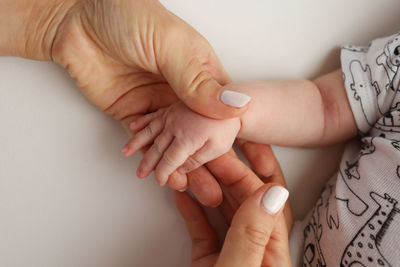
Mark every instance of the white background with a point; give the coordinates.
(67, 196)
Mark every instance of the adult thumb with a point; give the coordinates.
(252, 226)
(181, 66)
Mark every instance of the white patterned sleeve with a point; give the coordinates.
(371, 75)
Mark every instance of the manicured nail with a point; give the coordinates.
(274, 199)
(234, 99)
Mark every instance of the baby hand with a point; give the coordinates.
(180, 138)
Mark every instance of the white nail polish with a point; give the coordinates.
(274, 199)
(234, 99)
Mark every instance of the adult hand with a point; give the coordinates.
(267, 168)
(127, 56)
(134, 56)
(257, 236)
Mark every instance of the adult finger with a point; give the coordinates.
(263, 161)
(204, 186)
(261, 158)
(277, 250)
(177, 181)
(190, 79)
(228, 207)
(204, 238)
(252, 226)
(238, 179)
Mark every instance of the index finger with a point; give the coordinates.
(237, 178)
(266, 166)
(204, 186)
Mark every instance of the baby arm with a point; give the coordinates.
(298, 112)
(180, 138)
(288, 113)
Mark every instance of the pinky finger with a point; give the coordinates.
(144, 120)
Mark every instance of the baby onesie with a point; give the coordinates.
(356, 220)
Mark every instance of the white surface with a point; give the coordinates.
(67, 196)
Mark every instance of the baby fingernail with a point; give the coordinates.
(132, 125)
(274, 199)
(160, 182)
(183, 170)
(182, 190)
(125, 149)
(234, 99)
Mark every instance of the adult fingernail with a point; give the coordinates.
(234, 99)
(274, 199)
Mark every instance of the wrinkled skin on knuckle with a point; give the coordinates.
(148, 131)
(170, 117)
(106, 22)
(256, 236)
(169, 157)
(157, 145)
(193, 163)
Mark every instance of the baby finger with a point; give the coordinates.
(173, 157)
(143, 138)
(154, 154)
(202, 156)
(177, 181)
(144, 120)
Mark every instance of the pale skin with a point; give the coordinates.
(287, 113)
(126, 59)
(255, 237)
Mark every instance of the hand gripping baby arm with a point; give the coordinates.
(180, 139)
(287, 113)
